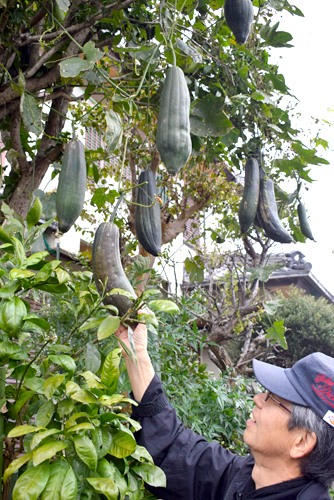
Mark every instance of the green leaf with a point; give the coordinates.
(92, 380)
(22, 430)
(50, 288)
(51, 384)
(23, 398)
(164, 306)
(108, 327)
(151, 474)
(110, 370)
(65, 407)
(12, 314)
(70, 68)
(149, 319)
(112, 400)
(194, 267)
(261, 96)
(20, 274)
(86, 451)
(119, 291)
(34, 214)
(66, 362)
(210, 119)
(38, 438)
(102, 441)
(31, 114)
(271, 307)
(84, 396)
(114, 131)
(7, 291)
(149, 293)
(35, 384)
(46, 271)
(105, 486)
(45, 413)
(35, 258)
(109, 470)
(69, 490)
(83, 426)
(92, 53)
(62, 275)
(4, 236)
(58, 470)
(10, 349)
(36, 320)
(71, 388)
(142, 455)
(92, 358)
(64, 5)
(16, 465)
(276, 332)
(47, 451)
(263, 273)
(123, 444)
(31, 483)
(91, 323)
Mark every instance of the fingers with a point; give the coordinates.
(121, 329)
(145, 310)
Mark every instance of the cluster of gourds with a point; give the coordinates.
(258, 206)
(173, 141)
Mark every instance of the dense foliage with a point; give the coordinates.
(309, 322)
(216, 408)
(65, 424)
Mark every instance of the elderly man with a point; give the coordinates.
(290, 435)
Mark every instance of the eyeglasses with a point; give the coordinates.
(270, 395)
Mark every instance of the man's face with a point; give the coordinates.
(267, 432)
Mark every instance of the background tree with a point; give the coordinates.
(309, 323)
(119, 53)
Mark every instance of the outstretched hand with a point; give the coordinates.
(139, 337)
(140, 372)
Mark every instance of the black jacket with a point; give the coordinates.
(200, 470)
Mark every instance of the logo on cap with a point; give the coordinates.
(324, 390)
(329, 418)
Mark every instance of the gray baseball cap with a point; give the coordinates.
(310, 382)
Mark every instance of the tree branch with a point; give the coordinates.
(15, 136)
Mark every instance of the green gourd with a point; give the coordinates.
(71, 186)
(250, 198)
(173, 131)
(303, 222)
(107, 267)
(268, 215)
(239, 16)
(147, 214)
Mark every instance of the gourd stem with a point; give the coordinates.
(174, 57)
(123, 162)
(122, 194)
(119, 201)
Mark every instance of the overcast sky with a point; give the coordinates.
(308, 70)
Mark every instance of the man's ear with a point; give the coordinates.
(304, 443)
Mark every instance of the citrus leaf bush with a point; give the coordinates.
(67, 426)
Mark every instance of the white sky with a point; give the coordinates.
(308, 70)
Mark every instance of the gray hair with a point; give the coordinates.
(318, 464)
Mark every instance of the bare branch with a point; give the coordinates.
(39, 15)
(45, 57)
